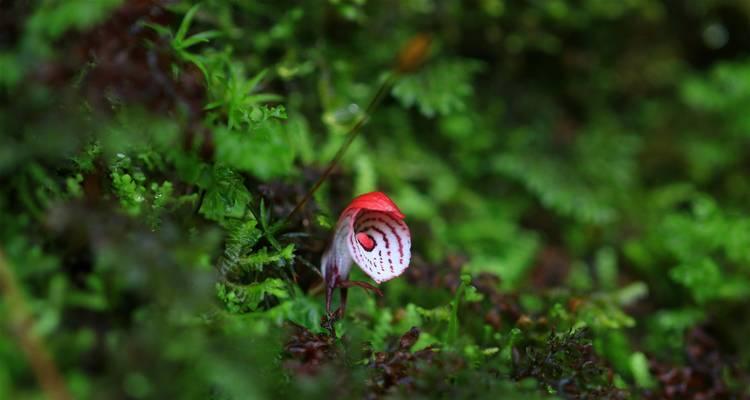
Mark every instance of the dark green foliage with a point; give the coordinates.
(566, 364)
(442, 88)
(574, 174)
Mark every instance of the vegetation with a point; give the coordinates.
(573, 173)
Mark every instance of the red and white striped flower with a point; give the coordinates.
(372, 233)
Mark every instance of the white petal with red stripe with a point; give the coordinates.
(380, 244)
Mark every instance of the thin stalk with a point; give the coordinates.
(410, 58)
(21, 323)
(350, 136)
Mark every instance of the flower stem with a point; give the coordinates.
(350, 136)
(410, 58)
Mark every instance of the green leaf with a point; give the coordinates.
(179, 37)
(442, 88)
(265, 150)
(639, 367)
(256, 261)
(241, 299)
(201, 37)
(226, 195)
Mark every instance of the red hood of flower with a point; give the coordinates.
(375, 201)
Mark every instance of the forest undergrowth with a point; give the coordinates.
(573, 174)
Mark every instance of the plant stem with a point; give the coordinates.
(351, 135)
(410, 58)
(21, 323)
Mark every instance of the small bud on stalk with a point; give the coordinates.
(414, 54)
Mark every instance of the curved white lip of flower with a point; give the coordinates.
(378, 241)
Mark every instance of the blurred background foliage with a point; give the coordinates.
(574, 174)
